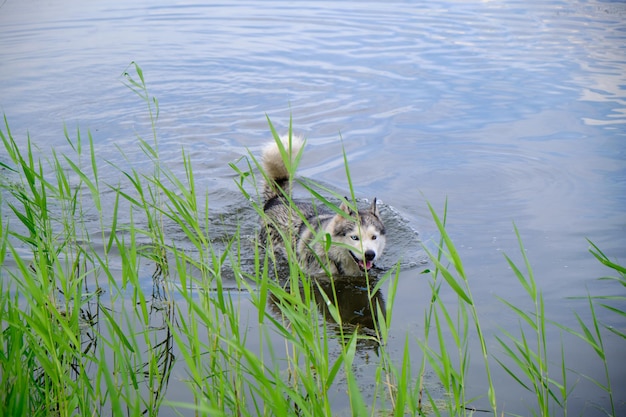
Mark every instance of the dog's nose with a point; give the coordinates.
(370, 255)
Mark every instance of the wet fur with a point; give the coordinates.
(358, 238)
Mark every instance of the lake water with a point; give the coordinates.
(513, 111)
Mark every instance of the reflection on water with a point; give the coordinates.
(357, 303)
(348, 304)
(152, 353)
(157, 369)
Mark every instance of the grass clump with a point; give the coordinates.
(101, 309)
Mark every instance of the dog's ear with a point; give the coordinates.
(345, 207)
(374, 208)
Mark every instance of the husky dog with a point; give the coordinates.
(357, 238)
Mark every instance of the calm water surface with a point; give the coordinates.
(513, 111)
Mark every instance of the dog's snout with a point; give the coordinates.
(370, 255)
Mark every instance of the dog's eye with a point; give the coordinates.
(374, 237)
(354, 237)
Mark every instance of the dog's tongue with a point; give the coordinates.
(366, 265)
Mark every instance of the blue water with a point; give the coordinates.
(512, 111)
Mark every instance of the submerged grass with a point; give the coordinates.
(82, 333)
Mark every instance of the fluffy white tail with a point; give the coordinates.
(274, 165)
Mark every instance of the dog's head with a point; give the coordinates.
(363, 234)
